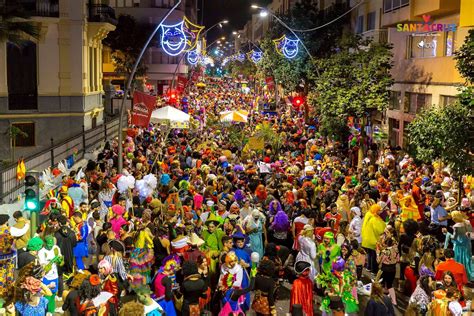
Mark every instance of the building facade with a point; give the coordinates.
(423, 65)
(160, 66)
(51, 88)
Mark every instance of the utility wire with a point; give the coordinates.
(339, 17)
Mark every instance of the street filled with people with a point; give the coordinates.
(207, 220)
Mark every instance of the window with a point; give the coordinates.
(449, 43)
(445, 100)
(371, 21)
(22, 77)
(390, 5)
(26, 135)
(395, 100)
(360, 24)
(417, 102)
(394, 130)
(422, 46)
(406, 140)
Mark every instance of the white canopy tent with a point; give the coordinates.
(169, 113)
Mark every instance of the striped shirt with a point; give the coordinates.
(117, 266)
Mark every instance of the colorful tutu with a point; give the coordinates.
(141, 261)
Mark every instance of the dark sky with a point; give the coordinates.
(238, 12)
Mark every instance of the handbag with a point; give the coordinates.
(260, 304)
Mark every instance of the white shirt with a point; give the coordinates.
(45, 256)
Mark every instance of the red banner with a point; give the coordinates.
(182, 81)
(270, 83)
(143, 105)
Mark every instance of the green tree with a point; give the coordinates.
(351, 82)
(126, 42)
(15, 26)
(465, 58)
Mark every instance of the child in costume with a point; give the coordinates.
(142, 257)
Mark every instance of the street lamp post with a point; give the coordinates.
(129, 84)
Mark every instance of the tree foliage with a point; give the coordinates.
(465, 58)
(352, 82)
(244, 69)
(440, 133)
(126, 42)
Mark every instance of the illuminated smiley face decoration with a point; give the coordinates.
(193, 57)
(287, 47)
(255, 56)
(240, 57)
(173, 38)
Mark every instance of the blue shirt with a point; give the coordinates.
(27, 310)
(437, 213)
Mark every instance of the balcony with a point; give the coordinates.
(43, 8)
(435, 7)
(101, 13)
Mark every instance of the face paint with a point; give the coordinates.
(49, 243)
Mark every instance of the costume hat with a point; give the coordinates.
(212, 218)
(301, 266)
(194, 240)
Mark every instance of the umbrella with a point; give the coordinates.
(234, 116)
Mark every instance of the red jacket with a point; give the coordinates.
(456, 268)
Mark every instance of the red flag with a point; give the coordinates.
(270, 83)
(143, 105)
(181, 83)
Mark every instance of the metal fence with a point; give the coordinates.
(76, 146)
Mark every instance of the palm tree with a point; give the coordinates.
(15, 25)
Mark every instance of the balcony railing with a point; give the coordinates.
(45, 8)
(101, 13)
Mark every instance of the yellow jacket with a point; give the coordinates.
(372, 227)
(144, 240)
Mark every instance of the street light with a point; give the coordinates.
(218, 23)
(265, 12)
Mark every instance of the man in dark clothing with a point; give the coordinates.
(66, 241)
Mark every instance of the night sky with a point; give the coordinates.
(238, 12)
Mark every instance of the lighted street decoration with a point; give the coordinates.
(240, 57)
(287, 47)
(179, 37)
(193, 57)
(255, 56)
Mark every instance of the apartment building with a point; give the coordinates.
(160, 66)
(51, 89)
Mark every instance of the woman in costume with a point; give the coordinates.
(255, 227)
(372, 228)
(81, 249)
(307, 249)
(110, 284)
(462, 242)
(280, 227)
(141, 258)
(302, 289)
(164, 282)
(234, 277)
(409, 208)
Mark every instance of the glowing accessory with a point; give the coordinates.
(192, 32)
(287, 47)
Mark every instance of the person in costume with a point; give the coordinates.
(141, 258)
(152, 308)
(109, 284)
(193, 252)
(255, 227)
(302, 289)
(264, 289)
(241, 250)
(372, 228)
(7, 256)
(456, 269)
(298, 224)
(117, 221)
(34, 245)
(50, 257)
(22, 224)
(80, 250)
(234, 277)
(32, 298)
(307, 249)
(193, 288)
(461, 241)
(91, 301)
(213, 241)
(165, 282)
(328, 251)
(115, 258)
(66, 240)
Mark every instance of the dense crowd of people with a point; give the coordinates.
(198, 225)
